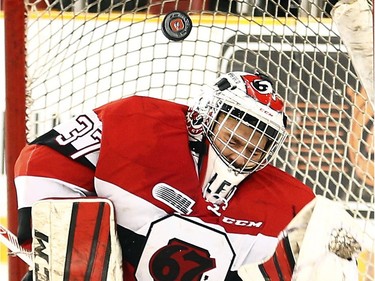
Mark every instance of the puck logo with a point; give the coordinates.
(176, 25)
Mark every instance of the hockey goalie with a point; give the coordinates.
(194, 194)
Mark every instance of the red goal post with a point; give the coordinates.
(63, 57)
(15, 113)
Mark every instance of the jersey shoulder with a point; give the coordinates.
(273, 184)
(284, 179)
(141, 105)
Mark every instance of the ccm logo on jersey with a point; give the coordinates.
(242, 222)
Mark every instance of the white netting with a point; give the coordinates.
(82, 54)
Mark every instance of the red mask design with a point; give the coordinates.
(262, 91)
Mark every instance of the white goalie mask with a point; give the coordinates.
(243, 119)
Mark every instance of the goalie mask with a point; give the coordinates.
(243, 119)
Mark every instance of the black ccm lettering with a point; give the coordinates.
(41, 268)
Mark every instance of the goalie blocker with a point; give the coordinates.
(75, 239)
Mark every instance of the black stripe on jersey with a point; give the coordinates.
(49, 139)
(201, 149)
(69, 252)
(95, 238)
(132, 244)
(232, 276)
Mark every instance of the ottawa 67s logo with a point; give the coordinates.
(181, 253)
(166, 263)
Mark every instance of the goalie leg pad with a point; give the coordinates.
(281, 265)
(75, 239)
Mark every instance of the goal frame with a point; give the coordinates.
(15, 115)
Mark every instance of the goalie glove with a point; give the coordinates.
(319, 244)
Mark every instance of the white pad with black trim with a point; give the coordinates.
(75, 239)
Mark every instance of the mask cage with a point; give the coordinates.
(243, 154)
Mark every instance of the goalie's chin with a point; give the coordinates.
(220, 182)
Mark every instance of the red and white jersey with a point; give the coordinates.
(136, 153)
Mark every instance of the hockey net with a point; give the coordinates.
(82, 54)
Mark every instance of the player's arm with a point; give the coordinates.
(60, 163)
(41, 172)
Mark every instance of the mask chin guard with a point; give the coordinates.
(220, 181)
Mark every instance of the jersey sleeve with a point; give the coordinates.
(305, 195)
(60, 163)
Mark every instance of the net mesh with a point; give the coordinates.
(82, 54)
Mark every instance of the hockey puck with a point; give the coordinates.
(176, 25)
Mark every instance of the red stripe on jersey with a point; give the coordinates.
(88, 242)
